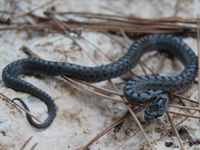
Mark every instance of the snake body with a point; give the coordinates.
(156, 85)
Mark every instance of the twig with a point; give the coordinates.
(26, 143)
(147, 67)
(34, 146)
(96, 93)
(188, 99)
(96, 87)
(198, 38)
(141, 65)
(182, 102)
(61, 25)
(103, 132)
(176, 8)
(198, 57)
(175, 130)
(183, 107)
(186, 115)
(176, 126)
(20, 107)
(125, 36)
(99, 49)
(145, 125)
(27, 13)
(163, 56)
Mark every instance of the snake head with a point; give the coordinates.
(156, 109)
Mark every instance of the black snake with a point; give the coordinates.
(154, 86)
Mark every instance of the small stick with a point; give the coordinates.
(176, 126)
(198, 38)
(145, 125)
(141, 64)
(184, 107)
(96, 87)
(27, 13)
(103, 132)
(99, 49)
(34, 146)
(26, 143)
(175, 130)
(147, 67)
(60, 24)
(20, 107)
(188, 99)
(163, 57)
(118, 41)
(125, 36)
(134, 73)
(186, 115)
(96, 93)
(183, 104)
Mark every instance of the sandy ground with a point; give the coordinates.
(82, 115)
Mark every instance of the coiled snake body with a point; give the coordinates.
(156, 85)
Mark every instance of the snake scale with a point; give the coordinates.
(139, 90)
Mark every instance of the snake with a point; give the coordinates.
(138, 90)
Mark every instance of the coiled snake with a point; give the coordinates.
(154, 86)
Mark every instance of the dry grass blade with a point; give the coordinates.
(115, 39)
(198, 34)
(132, 136)
(29, 12)
(26, 143)
(103, 132)
(96, 87)
(96, 93)
(198, 46)
(120, 23)
(175, 130)
(147, 67)
(135, 19)
(186, 115)
(27, 51)
(20, 107)
(183, 104)
(176, 126)
(176, 8)
(58, 23)
(34, 146)
(184, 107)
(185, 98)
(61, 25)
(141, 128)
(98, 49)
(143, 69)
(125, 36)
(161, 61)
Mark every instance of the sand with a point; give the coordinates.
(82, 115)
